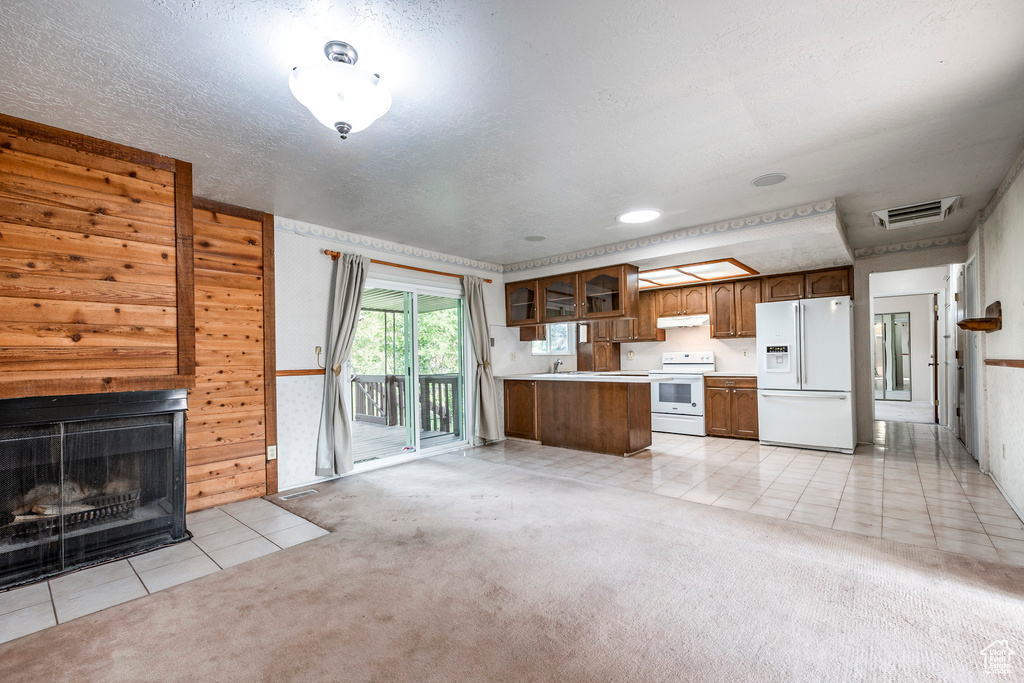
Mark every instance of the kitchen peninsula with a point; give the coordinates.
(598, 412)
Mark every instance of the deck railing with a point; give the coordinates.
(381, 399)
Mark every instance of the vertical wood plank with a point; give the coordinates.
(269, 348)
(186, 305)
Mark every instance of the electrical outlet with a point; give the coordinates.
(512, 357)
(630, 355)
(744, 353)
(271, 452)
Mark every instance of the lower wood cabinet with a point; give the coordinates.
(730, 406)
(521, 409)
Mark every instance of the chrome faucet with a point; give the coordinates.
(558, 361)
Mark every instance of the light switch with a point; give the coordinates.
(271, 452)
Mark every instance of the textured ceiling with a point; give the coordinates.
(522, 118)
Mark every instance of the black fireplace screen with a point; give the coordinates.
(87, 479)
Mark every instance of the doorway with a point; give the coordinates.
(406, 372)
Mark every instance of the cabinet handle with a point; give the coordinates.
(730, 384)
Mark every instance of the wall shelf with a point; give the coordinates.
(992, 321)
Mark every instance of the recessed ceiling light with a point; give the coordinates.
(639, 216)
(768, 179)
(535, 238)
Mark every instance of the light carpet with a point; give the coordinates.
(456, 569)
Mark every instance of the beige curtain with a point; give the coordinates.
(488, 427)
(334, 441)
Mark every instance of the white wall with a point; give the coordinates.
(1000, 243)
(302, 283)
(728, 352)
(864, 269)
(919, 306)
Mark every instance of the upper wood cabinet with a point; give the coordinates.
(721, 298)
(784, 287)
(610, 292)
(692, 300)
(522, 303)
(529, 333)
(748, 295)
(826, 283)
(733, 308)
(601, 331)
(645, 327)
(559, 298)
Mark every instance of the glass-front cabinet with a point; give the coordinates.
(610, 292)
(559, 298)
(522, 305)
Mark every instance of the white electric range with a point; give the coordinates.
(677, 392)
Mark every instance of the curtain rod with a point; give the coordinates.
(335, 255)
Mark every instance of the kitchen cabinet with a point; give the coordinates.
(730, 406)
(603, 417)
(748, 295)
(601, 331)
(784, 287)
(598, 353)
(692, 300)
(559, 298)
(610, 292)
(522, 303)
(533, 333)
(827, 283)
(721, 305)
(521, 409)
(645, 326)
(732, 308)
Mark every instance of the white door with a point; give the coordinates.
(826, 344)
(778, 341)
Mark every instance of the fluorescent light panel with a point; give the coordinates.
(696, 272)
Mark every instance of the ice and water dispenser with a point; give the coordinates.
(777, 359)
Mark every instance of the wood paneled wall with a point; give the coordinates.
(95, 265)
(232, 410)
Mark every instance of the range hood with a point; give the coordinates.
(684, 321)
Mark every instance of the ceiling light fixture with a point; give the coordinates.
(639, 216)
(768, 179)
(340, 96)
(720, 269)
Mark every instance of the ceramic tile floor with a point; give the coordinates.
(222, 538)
(916, 484)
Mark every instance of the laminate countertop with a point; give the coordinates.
(730, 374)
(633, 377)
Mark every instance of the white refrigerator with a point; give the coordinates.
(805, 374)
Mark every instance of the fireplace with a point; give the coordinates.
(85, 479)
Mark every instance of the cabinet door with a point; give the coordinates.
(694, 300)
(559, 298)
(601, 331)
(529, 333)
(748, 295)
(521, 303)
(606, 357)
(603, 293)
(784, 287)
(521, 409)
(645, 327)
(825, 283)
(722, 309)
(669, 302)
(622, 330)
(744, 413)
(717, 411)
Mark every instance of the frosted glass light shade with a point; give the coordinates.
(336, 92)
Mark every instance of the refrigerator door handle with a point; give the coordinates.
(803, 340)
(796, 341)
(803, 394)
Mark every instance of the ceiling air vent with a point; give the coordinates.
(916, 214)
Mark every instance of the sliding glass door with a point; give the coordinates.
(407, 372)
